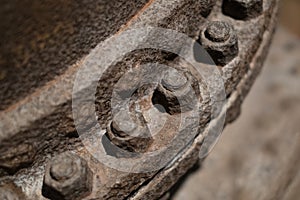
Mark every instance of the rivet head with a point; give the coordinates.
(242, 9)
(218, 31)
(220, 40)
(67, 176)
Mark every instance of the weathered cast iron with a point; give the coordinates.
(44, 43)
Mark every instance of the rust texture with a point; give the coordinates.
(43, 46)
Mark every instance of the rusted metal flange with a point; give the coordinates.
(41, 152)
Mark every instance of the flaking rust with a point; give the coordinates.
(42, 156)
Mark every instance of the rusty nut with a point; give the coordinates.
(220, 41)
(67, 177)
(129, 132)
(175, 92)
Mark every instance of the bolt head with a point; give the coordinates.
(128, 132)
(9, 191)
(122, 123)
(67, 176)
(220, 41)
(175, 92)
(218, 31)
(138, 144)
(63, 170)
(173, 80)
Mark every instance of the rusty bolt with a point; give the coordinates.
(128, 131)
(173, 80)
(220, 41)
(123, 124)
(242, 9)
(175, 92)
(67, 176)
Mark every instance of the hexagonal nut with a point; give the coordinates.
(128, 134)
(219, 39)
(67, 177)
(242, 9)
(175, 92)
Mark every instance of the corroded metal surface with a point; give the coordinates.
(37, 118)
(40, 40)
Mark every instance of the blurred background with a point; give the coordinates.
(258, 156)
